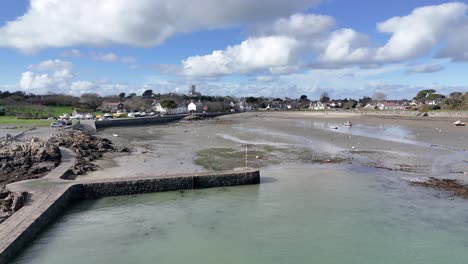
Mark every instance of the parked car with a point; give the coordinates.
(77, 117)
(56, 124)
(118, 115)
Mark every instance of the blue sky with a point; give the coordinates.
(349, 48)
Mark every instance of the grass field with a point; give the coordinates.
(11, 120)
(57, 111)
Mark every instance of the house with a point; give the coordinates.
(394, 105)
(111, 107)
(157, 107)
(192, 107)
(316, 106)
(199, 107)
(370, 106)
(181, 109)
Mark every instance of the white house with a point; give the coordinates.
(192, 107)
(316, 106)
(157, 107)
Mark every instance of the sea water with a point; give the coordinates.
(305, 214)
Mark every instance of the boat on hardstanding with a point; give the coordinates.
(459, 123)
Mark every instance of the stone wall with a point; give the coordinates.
(129, 187)
(138, 121)
(28, 222)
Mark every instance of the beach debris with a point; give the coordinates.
(458, 123)
(453, 186)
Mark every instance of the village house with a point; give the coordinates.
(192, 107)
(111, 107)
(317, 106)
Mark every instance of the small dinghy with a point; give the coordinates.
(459, 123)
(333, 127)
(348, 124)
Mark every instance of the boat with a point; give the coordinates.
(348, 124)
(459, 123)
(333, 127)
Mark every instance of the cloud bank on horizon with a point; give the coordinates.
(287, 48)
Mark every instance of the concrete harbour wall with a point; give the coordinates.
(30, 220)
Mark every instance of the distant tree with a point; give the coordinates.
(136, 103)
(131, 95)
(91, 100)
(379, 96)
(324, 97)
(434, 96)
(421, 95)
(349, 104)
(303, 97)
(251, 100)
(456, 95)
(121, 96)
(147, 93)
(365, 100)
(171, 104)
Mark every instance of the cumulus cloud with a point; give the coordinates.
(57, 76)
(412, 36)
(253, 54)
(425, 68)
(417, 33)
(54, 23)
(299, 26)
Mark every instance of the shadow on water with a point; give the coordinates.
(265, 180)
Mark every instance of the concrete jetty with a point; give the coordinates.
(50, 196)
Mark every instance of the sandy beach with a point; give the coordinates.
(415, 147)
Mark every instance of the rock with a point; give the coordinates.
(27, 160)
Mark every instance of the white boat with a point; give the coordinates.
(348, 124)
(459, 123)
(333, 127)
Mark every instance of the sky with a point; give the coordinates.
(273, 48)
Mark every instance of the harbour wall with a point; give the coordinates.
(151, 120)
(27, 223)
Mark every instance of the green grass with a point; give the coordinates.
(57, 111)
(11, 120)
(220, 159)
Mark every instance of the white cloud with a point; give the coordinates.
(425, 68)
(111, 57)
(416, 34)
(412, 36)
(253, 54)
(346, 46)
(73, 53)
(55, 23)
(299, 26)
(57, 76)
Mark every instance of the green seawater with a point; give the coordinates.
(317, 214)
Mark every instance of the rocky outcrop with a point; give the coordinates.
(87, 148)
(10, 202)
(27, 160)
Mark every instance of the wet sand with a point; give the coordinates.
(422, 148)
